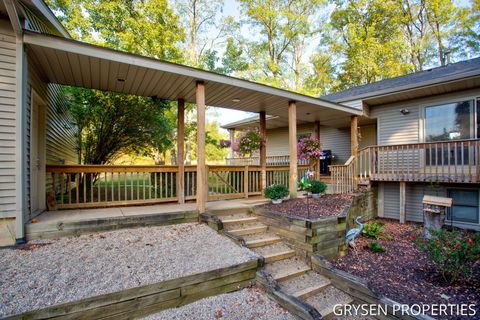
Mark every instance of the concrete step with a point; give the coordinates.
(306, 285)
(253, 229)
(287, 269)
(326, 300)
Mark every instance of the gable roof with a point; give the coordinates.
(450, 72)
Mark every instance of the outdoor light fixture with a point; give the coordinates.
(404, 111)
(236, 100)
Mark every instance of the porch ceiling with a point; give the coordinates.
(70, 62)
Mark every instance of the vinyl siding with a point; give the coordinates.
(337, 140)
(7, 120)
(395, 128)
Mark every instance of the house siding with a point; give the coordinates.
(7, 120)
(337, 140)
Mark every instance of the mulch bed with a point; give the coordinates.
(405, 274)
(329, 205)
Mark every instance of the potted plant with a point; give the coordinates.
(248, 143)
(309, 149)
(276, 192)
(317, 188)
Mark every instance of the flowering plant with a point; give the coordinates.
(308, 148)
(454, 253)
(247, 143)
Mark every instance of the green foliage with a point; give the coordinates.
(248, 143)
(454, 253)
(276, 191)
(318, 187)
(373, 230)
(376, 247)
(304, 184)
(110, 124)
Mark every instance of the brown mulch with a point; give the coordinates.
(405, 274)
(329, 205)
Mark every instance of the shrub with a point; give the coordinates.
(276, 191)
(317, 186)
(373, 230)
(376, 246)
(454, 253)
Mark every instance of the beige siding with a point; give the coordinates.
(368, 136)
(7, 120)
(394, 127)
(337, 140)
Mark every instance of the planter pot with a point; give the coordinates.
(277, 201)
(316, 195)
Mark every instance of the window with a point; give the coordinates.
(450, 121)
(465, 206)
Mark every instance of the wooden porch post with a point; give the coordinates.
(354, 135)
(292, 144)
(181, 151)
(263, 150)
(201, 170)
(317, 136)
(403, 213)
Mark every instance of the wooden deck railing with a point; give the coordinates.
(85, 186)
(447, 161)
(281, 160)
(343, 177)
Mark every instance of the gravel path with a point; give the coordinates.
(45, 273)
(246, 304)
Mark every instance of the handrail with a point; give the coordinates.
(441, 161)
(343, 177)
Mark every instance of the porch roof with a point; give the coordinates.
(71, 62)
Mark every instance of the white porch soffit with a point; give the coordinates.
(70, 62)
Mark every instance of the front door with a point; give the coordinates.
(37, 156)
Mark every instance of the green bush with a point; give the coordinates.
(375, 246)
(317, 186)
(373, 230)
(454, 253)
(276, 191)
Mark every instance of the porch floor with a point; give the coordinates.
(52, 224)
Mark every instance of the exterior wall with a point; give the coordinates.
(414, 196)
(337, 140)
(395, 128)
(368, 136)
(7, 120)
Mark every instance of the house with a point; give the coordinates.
(418, 135)
(38, 161)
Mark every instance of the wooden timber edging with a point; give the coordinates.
(358, 288)
(45, 230)
(152, 298)
(295, 306)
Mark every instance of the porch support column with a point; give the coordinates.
(354, 135)
(181, 151)
(403, 212)
(317, 136)
(292, 144)
(201, 170)
(232, 141)
(263, 150)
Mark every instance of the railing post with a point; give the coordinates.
(245, 181)
(180, 151)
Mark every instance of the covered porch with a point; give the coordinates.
(68, 62)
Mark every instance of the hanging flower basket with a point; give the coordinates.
(248, 143)
(309, 149)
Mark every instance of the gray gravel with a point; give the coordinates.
(50, 272)
(246, 304)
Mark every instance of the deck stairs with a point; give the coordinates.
(293, 275)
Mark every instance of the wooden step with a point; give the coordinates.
(327, 299)
(311, 291)
(240, 220)
(289, 274)
(262, 242)
(269, 258)
(248, 230)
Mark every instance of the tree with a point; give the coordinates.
(322, 76)
(367, 38)
(279, 26)
(110, 124)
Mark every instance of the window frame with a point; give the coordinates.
(449, 215)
